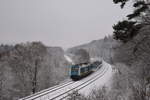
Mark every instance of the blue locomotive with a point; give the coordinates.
(79, 71)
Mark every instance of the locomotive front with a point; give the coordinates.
(74, 72)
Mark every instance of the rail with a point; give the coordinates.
(63, 95)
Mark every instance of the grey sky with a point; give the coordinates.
(62, 23)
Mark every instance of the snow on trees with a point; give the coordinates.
(25, 61)
(81, 56)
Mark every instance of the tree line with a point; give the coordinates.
(27, 68)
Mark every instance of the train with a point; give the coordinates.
(79, 71)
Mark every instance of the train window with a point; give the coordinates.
(74, 68)
(86, 69)
(82, 70)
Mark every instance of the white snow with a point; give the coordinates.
(100, 78)
(69, 59)
(105, 80)
(95, 59)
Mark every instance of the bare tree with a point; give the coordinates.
(137, 53)
(1, 81)
(25, 61)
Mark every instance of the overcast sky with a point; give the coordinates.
(64, 23)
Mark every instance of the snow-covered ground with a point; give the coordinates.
(96, 80)
(105, 80)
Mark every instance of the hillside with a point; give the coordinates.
(98, 48)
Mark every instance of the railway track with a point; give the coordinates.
(64, 95)
(45, 94)
(46, 91)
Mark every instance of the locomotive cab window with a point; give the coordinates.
(74, 69)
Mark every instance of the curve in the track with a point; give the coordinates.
(91, 80)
